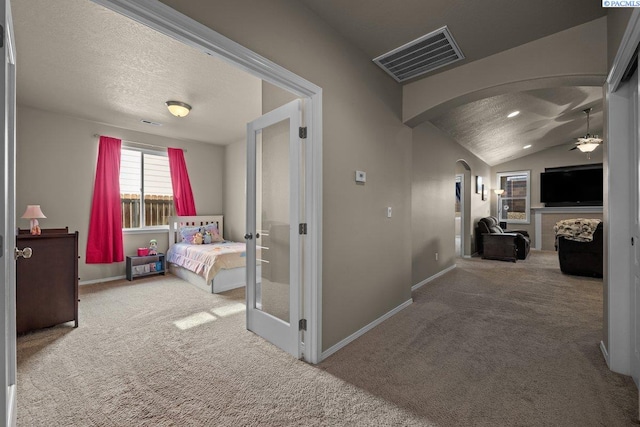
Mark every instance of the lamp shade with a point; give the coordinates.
(177, 108)
(588, 147)
(33, 211)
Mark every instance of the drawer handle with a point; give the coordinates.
(24, 253)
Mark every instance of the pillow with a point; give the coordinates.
(188, 233)
(215, 234)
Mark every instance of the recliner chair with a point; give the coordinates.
(496, 243)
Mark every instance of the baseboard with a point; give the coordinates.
(435, 276)
(364, 330)
(605, 353)
(466, 256)
(106, 279)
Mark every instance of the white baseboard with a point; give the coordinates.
(435, 276)
(364, 330)
(106, 279)
(605, 353)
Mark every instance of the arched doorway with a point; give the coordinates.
(462, 212)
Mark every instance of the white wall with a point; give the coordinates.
(235, 190)
(55, 167)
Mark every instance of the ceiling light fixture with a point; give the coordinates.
(589, 142)
(177, 108)
(527, 146)
(513, 114)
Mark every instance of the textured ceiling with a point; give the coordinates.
(79, 59)
(548, 117)
(481, 28)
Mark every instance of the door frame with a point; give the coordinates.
(174, 24)
(616, 346)
(462, 215)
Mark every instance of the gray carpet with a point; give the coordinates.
(490, 343)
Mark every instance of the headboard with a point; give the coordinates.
(176, 222)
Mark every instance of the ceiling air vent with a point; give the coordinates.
(420, 56)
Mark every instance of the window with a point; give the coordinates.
(513, 205)
(146, 194)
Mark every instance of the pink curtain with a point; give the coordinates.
(182, 194)
(104, 244)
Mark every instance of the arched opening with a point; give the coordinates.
(462, 212)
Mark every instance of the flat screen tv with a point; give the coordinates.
(577, 186)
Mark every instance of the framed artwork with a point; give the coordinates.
(478, 184)
(485, 193)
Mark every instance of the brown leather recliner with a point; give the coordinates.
(496, 243)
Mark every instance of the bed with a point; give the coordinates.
(215, 267)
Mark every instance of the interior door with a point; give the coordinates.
(273, 216)
(635, 228)
(8, 239)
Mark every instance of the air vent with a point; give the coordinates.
(420, 56)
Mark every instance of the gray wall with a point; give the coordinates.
(433, 199)
(235, 190)
(55, 163)
(536, 163)
(366, 256)
(617, 19)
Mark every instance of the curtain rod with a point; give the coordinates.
(95, 135)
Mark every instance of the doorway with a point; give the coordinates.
(459, 208)
(463, 171)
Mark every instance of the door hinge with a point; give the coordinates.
(1, 36)
(303, 133)
(302, 229)
(302, 325)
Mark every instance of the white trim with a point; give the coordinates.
(434, 277)
(626, 50)
(605, 353)
(106, 279)
(366, 329)
(527, 206)
(168, 21)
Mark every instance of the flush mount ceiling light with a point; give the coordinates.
(513, 114)
(177, 108)
(588, 143)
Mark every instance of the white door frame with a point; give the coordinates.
(8, 265)
(617, 346)
(172, 23)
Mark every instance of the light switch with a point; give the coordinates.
(361, 176)
(389, 212)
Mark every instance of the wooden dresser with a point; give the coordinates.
(47, 283)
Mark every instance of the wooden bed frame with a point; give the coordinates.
(226, 279)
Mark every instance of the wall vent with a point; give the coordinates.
(421, 55)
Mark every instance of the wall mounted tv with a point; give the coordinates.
(572, 186)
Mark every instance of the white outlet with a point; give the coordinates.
(361, 177)
(436, 256)
(389, 212)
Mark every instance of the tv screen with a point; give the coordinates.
(572, 187)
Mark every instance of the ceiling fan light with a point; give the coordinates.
(588, 147)
(177, 108)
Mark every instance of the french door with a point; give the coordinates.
(273, 235)
(8, 238)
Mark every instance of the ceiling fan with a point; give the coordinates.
(589, 142)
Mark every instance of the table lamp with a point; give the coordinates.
(33, 212)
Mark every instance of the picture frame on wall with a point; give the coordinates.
(485, 193)
(478, 184)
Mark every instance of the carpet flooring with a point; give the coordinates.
(488, 344)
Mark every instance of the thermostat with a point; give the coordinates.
(361, 176)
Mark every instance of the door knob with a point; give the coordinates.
(248, 236)
(24, 253)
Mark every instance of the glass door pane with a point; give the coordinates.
(273, 226)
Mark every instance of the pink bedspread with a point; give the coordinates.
(208, 260)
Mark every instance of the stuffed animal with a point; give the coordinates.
(197, 238)
(153, 247)
(207, 237)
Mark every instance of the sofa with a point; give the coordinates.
(493, 242)
(581, 258)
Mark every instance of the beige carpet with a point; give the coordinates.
(490, 343)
